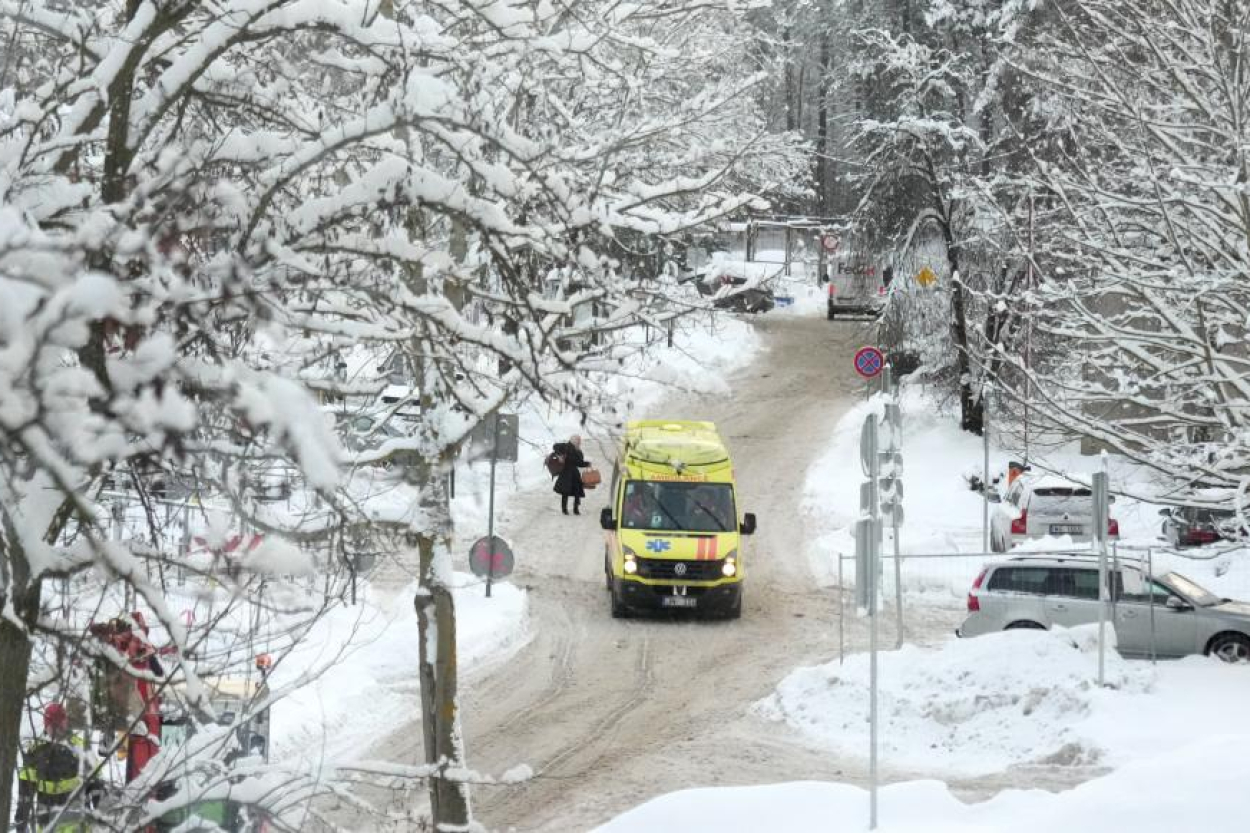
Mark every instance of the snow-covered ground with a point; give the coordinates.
(1157, 738)
(353, 679)
(1199, 788)
(978, 706)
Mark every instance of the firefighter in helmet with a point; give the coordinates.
(50, 771)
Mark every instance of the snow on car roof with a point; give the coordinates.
(1052, 481)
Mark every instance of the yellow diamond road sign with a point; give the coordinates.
(926, 278)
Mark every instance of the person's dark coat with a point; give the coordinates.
(569, 480)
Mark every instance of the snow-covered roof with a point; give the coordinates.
(1052, 481)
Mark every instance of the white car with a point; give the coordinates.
(1047, 506)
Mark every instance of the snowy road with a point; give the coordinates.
(612, 712)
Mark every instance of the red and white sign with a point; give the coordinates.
(868, 362)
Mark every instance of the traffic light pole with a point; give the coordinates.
(867, 577)
(874, 566)
(896, 433)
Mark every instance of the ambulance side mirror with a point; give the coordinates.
(606, 520)
(748, 524)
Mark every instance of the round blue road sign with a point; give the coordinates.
(868, 362)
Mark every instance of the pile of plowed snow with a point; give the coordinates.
(970, 706)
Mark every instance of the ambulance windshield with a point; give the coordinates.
(674, 506)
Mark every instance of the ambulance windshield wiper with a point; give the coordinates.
(676, 523)
(715, 519)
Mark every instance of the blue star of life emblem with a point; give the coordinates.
(659, 546)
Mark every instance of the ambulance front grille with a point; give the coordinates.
(694, 570)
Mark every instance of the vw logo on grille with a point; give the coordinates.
(679, 569)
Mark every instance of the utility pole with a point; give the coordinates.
(867, 576)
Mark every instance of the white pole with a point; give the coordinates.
(898, 587)
(985, 471)
(872, 686)
(1028, 338)
(897, 446)
(1100, 547)
(1150, 594)
(841, 614)
(874, 562)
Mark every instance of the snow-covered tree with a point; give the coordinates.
(216, 216)
(952, 122)
(1144, 233)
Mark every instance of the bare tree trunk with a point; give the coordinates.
(435, 605)
(15, 651)
(436, 618)
(792, 95)
(822, 127)
(971, 407)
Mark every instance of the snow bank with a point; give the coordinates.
(357, 671)
(806, 298)
(942, 515)
(1202, 788)
(979, 706)
(971, 707)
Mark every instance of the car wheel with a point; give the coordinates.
(1230, 647)
(829, 315)
(607, 569)
(997, 544)
(1025, 625)
(619, 610)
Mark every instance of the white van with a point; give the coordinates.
(856, 285)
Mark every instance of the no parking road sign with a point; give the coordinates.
(868, 362)
(490, 561)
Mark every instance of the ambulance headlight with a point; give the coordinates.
(631, 561)
(730, 569)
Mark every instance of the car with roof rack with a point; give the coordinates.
(1167, 615)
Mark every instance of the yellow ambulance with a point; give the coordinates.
(674, 541)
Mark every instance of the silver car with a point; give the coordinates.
(1165, 616)
(1037, 507)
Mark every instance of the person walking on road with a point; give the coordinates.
(569, 480)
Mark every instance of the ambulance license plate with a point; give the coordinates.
(678, 601)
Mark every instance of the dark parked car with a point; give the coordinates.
(736, 293)
(1191, 526)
